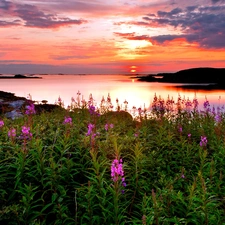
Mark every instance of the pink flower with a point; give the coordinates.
(90, 128)
(67, 120)
(12, 133)
(26, 132)
(30, 109)
(109, 125)
(1, 123)
(203, 141)
(117, 172)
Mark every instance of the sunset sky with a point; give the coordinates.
(110, 36)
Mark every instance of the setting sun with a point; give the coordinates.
(133, 69)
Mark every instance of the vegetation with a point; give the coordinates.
(89, 165)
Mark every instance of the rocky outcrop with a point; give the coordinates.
(14, 107)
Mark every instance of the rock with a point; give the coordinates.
(14, 114)
(17, 104)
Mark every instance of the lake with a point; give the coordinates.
(121, 87)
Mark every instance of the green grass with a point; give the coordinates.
(61, 175)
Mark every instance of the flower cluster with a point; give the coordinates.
(107, 126)
(90, 129)
(1, 123)
(180, 129)
(203, 141)
(12, 133)
(26, 134)
(92, 110)
(117, 172)
(206, 105)
(30, 109)
(67, 120)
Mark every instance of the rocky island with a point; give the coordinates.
(19, 76)
(213, 77)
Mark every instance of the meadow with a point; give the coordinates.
(93, 165)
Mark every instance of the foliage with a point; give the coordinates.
(86, 165)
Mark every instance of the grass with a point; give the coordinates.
(61, 169)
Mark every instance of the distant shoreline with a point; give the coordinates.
(194, 78)
(19, 76)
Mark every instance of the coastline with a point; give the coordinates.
(19, 76)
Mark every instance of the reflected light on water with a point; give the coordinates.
(136, 93)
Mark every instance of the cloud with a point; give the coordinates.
(204, 25)
(32, 16)
(9, 24)
(14, 61)
(66, 57)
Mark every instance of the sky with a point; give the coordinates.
(110, 36)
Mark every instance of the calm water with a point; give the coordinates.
(136, 93)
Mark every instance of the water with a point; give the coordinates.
(121, 87)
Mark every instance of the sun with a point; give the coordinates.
(133, 69)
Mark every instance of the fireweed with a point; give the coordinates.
(1, 123)
(107, 126)
(26, 134)
(46, 186)
(117, 173)
(12, 134)
(203, 141)
(67, 120)
(30, 109)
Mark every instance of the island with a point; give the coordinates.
(210, 77)
(19, 76)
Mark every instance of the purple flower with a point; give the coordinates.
(67, 120)
(182, 176)
(1, 123)
(203, 141)
(26, 132)
(195, 103)
(59, 99)
(107, 126)
(117, 173)
(180, 129)
(206, 104)
(189, 135)
(12, 133)
(30, 109)
(90, 128)
(217, 118)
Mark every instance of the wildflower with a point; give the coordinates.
(217, 118)
(189, 135)
(30, 109)
(26, 132)
(90, 128)
(67, 120)
(182, 176)
(203, 141)
(136, 135)
(12, 133)
(1, 123)
(60, 102)
(117, 172)
(92, 110)
(206, 105)
(180, 129)
(107, 126)
(73, 100)
(195, 103)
